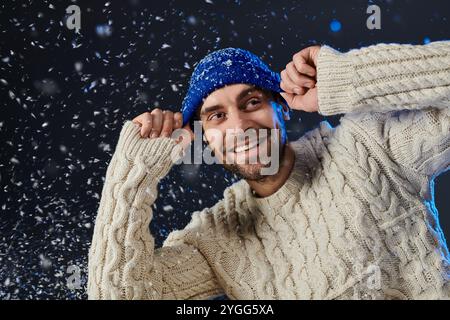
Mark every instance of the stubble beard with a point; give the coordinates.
(252, 172)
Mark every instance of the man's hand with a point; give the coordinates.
(161, 123)
(298, 80)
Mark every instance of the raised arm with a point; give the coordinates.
(384, 77)
(123, 263)
(397, 94)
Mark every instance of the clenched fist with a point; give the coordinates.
(162, 123)
(298, 80)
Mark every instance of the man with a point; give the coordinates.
(349, 214)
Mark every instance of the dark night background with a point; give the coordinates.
(65, 96)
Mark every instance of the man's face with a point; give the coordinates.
(229, 112)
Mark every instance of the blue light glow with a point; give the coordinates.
(335, 25)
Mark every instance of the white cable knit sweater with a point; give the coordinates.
(355, 220)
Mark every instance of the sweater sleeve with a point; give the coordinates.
(383, 78)
(123, 263)
(398, 94)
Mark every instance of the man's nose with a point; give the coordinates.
(239, 123)
(238, 120)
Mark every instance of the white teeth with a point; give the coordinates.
(246, 147)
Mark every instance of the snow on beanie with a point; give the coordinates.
(224, 67)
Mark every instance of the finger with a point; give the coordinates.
(283, 86)
(299, 79)
(305, 55)
(300, 91)
(167, 126)
(178, 120)
(302, 65)
(157, 123)
(146, 122)
(294, 101)
(287, 84)
(136, 120)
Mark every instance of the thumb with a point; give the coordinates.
(286, 96)
(294, 101)
(289, 97)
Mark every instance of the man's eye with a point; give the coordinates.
(254, 103)
(216, 116)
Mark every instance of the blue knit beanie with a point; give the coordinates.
(224, 67)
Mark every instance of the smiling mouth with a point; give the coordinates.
(248, 146)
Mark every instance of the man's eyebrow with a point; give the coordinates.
(240, 96)
(245, 93)
(210, 109)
